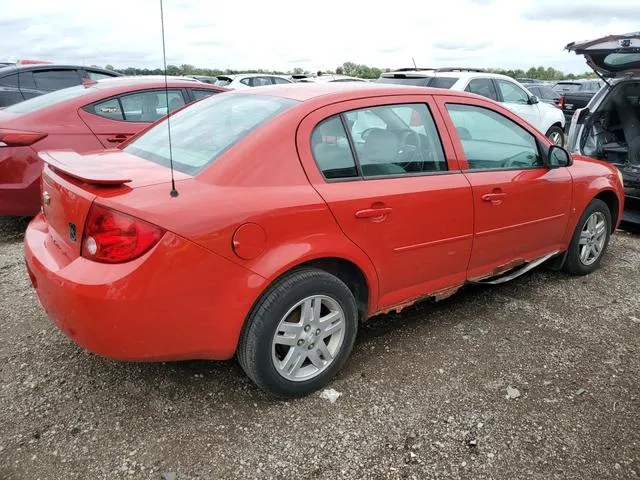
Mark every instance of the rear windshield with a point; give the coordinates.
(205, 130)
(48, 99)
(435, 82)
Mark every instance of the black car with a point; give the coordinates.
(18, 83)
(544, 93)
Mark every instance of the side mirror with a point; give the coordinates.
(558, 157)
(533, 100)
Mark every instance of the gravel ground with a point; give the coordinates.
(535, 379)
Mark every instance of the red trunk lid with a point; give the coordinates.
(71, 182)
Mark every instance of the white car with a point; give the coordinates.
(248, 80)
(547, 118)
(327, 77)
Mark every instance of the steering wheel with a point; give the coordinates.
(365, 133)
(518, 161)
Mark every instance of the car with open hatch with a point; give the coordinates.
(608, 128)
(273, 224)
(97, 115)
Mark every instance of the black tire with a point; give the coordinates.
(573, 264)
(559, 131)
(255, 345)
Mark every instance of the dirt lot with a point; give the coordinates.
(423, 396)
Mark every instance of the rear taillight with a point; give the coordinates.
(15, 138)
(114, 237)
(561, 103)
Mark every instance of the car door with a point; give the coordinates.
(521, 205)
(516, 99)
(114, 120)
(396, 192)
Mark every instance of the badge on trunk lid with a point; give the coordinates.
(72, 231)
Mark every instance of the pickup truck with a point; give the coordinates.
(578, 98)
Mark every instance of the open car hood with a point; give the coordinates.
(611, 56)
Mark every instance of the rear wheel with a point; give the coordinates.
(556, 135)
(590, 239)
(299, 334)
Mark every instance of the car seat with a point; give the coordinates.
(379, 152)
(149, 108)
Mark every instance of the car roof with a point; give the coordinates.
(340, 91)
(147, 80)
(247, 75)
(48, 66)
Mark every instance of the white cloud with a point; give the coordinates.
(284, 34)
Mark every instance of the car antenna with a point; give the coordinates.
(414, 63)
(174, 192)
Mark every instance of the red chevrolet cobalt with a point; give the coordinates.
(95, 116)
(300, 211)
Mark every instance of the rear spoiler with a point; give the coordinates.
(82, 167)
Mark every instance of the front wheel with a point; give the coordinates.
(299, 334)
(590, 239)
(556, 135)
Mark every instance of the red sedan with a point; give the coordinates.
(95, 116)
(301, 211)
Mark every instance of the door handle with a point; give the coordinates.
(117, 139)
(495, 198)
(373, 212)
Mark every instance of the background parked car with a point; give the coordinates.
(83, 118)
(500, 88)
(608, 128)
(578, 98)
(205, 79)
(247, 80)
(22, 82)
(326, 77)
(544, 93)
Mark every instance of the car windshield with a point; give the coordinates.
(48, 99)
(202, 132)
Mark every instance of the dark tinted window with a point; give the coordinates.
(56, 79)
(535, 91)
(9, 80)
(548, 93)
(442, 82)
(330, 147)
(207, 129)
(278, 80)
(491, 141)
(482, 86)
(396, 140)
(98, 75)
(203, 93)
(404, 80)
(53, 98)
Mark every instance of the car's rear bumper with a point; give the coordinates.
(178, 301)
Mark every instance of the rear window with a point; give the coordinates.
(404, 80)
(53, 98)
(204, 131)
(442, 82)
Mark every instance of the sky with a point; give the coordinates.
(313, 35)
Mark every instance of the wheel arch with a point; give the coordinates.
(611, 199)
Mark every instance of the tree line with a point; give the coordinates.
(347, 68)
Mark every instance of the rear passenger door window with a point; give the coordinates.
(492, 141)
(482, 86)
(51, 80)
(381, 141)
(149, 106)
(108, 109)
(332, 151)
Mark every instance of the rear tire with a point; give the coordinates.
(556, 135)
(299, 334)
(590, 239)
